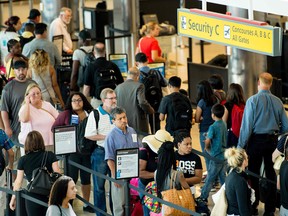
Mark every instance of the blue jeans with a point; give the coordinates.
(146, 211)
(202, 139)
(215, 169)
(99, 165)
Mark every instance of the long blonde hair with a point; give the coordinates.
(39, 61)
(147, 28)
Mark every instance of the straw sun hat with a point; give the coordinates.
(155, 141)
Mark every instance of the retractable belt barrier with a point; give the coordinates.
(21, 194)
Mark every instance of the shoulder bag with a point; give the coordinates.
(181, 197)
(42, 180)
(281, 157)
(221, 204)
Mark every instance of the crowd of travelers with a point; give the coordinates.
(122, 114)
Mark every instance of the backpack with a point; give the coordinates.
(2, 162)
(86, 146)
(236, 118)
(104, 78)
(88, 59)
(149, 202)
(153, 91)
(182, 112)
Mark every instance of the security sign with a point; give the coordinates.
(244, 34)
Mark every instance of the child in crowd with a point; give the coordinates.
(215, 144)
(28, 34)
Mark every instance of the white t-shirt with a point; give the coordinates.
(54, 210)
(104, 125)
(4, 38)
(79, 55)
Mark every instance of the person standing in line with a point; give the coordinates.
(282, 184)
(142, 65)
(187, 161)
(148, 159)
(36, 114)
(33, 18)
(264, 117)
(79, 55)
(59, 27)
(63, 190)
(42, 72)
(40, 42)
(121, 136)
(175, 102)
(216, 82)
(148, 44)
(131, 96)
(205, 100)
(235, 97)
(92, 132)
(237, 189)
(76, 110)
(215, 144)
(92, 81)
(13, 25)
(34, 154)
(12, 97)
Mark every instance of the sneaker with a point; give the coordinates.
(213, 189)
(88, 209)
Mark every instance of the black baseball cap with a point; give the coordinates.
(141, 57)
(20, 64)
(34, 13)
(84, 35)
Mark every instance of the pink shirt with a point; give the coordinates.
(41, 121)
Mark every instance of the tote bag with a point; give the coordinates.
(182, 198)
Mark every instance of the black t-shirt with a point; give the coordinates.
(284, 184)
(152, 158)
(33, 160)
(167, 109)
(188, 164)
(101, 62)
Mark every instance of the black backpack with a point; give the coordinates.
(2, 162)
(88, 59)
(153, 91)
(86, 146)
(104, 78)
(182, 112)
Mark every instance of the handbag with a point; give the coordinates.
(281, 157)
(42, 180)
(221, 204)
(181, 197)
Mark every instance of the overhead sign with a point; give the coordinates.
(226, 30)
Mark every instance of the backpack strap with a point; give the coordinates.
(96, 116)
(83, 50)
(60, 210)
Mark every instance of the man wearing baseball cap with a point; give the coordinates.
(34, 17)
(12, 98)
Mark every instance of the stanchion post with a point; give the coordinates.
(127, 197)
(66, 171)
(18, 202)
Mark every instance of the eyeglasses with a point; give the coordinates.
(76, 100)
(112, 98)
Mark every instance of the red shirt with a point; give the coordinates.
(146, 45)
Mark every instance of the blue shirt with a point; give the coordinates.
(5, 142)
(117, 139)
(217, 133)
(263, 114)
(206, 115)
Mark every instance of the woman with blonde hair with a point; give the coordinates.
(237, 190)
(148, 44)
(37, 114)
(42, 72)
